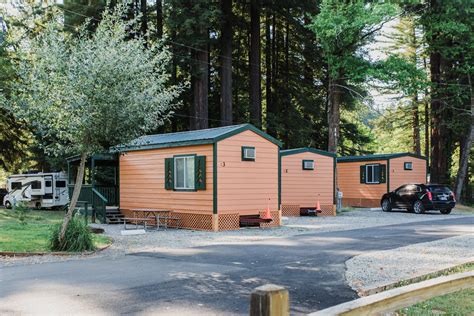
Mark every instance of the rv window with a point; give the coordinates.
(36, 185)
(372, 174)
(184, 173)
(60, 184)
(16, 185)
(48, 183)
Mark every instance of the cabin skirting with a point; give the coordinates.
(294, 210)
(211, 222)
(359, 202)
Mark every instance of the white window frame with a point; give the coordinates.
(246, 149)
(373, 166)
(186, 186)
(311, 167)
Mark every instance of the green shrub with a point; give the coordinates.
(78, 237)
(21, 210)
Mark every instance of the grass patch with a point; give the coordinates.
(34, 236)
(457, 303)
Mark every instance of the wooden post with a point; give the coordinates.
(269, 300)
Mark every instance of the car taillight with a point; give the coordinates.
(429, 195)
(454, 197)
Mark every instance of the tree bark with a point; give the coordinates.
(159, 19)
(75, 197)
(144, 18)
(255, 89)
(465, 150)
(416, 125)
(200, 80)
(439, 143)
(333, 114)
(226, 63)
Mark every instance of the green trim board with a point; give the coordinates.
(190, 138)
(279, 181)
(214, 178)
(377, 157)
(295, 151)
(388, 175)
(334, 177)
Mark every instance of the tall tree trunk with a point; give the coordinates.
(333, 114)
(466, 146)
(144, 18)
(159, 19)
(200, 80)
(416, 125)
(439, 143)
(286, 138)
(226, 63)
(255, 89)
(427, 119)
(75, 197)
(268, 73)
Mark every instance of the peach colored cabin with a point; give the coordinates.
(207, 178)
(364, 179)
(307, 176)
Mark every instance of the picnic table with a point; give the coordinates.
(144, 215)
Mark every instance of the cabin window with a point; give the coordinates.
(372, 173)
(16, 185)
(36, 185)
(60, 184)
(308, 164)
(184, 173)
(248, 153)
(408, 166)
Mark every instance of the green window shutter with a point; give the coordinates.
(200, 173)
(169, 173)
(382, 173)
(362, 174)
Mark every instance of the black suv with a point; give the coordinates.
(420, 198)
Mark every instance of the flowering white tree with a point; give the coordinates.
(95, 90)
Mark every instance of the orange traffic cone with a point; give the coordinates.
(318, 207)
(267, 214)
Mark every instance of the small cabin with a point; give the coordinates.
(364, 179)
(207, 178)
(307, 178)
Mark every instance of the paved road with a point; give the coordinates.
(209, 280)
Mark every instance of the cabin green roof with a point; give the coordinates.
(377, 157)
(295, 151)
(190, 138)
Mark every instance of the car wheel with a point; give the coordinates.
(410, 210)
(446, 211)
(38, 205)
(8, 205)
(386, 205)
(418, 207)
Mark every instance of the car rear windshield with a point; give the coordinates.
(439, 189)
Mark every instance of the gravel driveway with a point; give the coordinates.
(380, 268)
(155, 240)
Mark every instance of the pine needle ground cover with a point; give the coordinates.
(34, 235)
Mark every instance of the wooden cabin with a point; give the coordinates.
(307, 176)
(364, 179)
(207, 178)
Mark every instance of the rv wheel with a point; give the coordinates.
(38, 205)
(8, 205)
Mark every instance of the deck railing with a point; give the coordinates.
(98, 197)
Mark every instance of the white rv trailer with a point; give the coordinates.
(38, 190)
